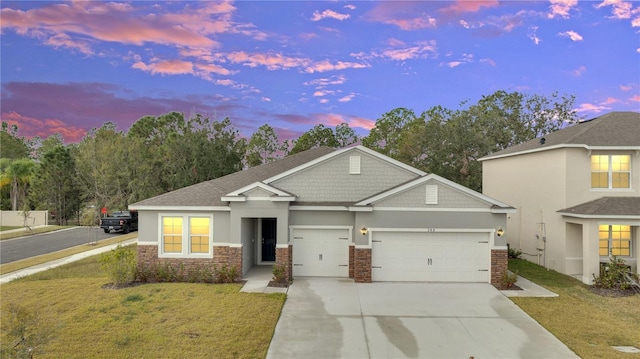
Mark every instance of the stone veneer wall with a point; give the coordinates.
(284, 256)
(499, 262)
(362, 265)
(351, 261)
(222, 255)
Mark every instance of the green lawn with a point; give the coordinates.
(7, 228)
(587, 323)
(168, 320)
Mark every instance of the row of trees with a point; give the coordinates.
(111, 168)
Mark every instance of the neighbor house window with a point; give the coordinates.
(186, 235)
(610, 171)
(615, 239)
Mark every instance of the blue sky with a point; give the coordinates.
(68, 67)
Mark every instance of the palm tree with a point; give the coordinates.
(18, 174)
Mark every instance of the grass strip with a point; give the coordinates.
(589, 324)
(26, 232)
(29, 262)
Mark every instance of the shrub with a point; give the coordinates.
(120, 265)
(226, 274)
(513, 253)
(167, 272)
(279, 273)
(508, 279)
(612, 275)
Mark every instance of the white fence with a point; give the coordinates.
(16, 218)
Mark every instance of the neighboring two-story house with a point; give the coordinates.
(577, 194)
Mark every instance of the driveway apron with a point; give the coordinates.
(337, 318)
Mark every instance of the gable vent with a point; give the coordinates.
(432, 194)
(354, 165)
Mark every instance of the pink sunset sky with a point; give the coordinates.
(68, 67)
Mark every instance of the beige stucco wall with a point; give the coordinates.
(16, 218)
(536, 186)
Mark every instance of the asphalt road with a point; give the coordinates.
(37, 244)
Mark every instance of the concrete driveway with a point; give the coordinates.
(337, 318)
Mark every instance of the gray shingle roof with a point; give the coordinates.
(208, 193)
(615, 129)
(607, 206)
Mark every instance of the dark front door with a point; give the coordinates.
(269, 226)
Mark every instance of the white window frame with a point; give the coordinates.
(186, 236)
(610, 172)
(610, 239)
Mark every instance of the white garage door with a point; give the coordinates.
(320, 252)
(433, 257)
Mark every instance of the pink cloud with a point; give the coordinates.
(417, 23)
(635, 98)
(579, 71)
(168, 67)
(619, 9)
(588, 107)
(43, 128)
(88, 105)
(420, 50)
(117, 23)
(347, 98)
(561, 8)
(324, 81)
(308, 36)
(610, 100)
(532, 34)
(574, 36)
(401, 15)
(272, 61)
(626, 88)
(329, 14)
(362, 123)
(461, 6)
(488, 62)
(64, 40)
(326, 65)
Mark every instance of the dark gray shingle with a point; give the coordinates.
(208, 193)
(607, 206)
(615, 129)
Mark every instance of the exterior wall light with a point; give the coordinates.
(500, 232)
(364, 231)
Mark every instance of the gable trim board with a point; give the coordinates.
(320, 238)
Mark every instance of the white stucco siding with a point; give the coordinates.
(330, 181)
(447, 198)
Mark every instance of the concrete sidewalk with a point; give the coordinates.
(62, 261)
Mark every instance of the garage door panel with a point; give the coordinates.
(426, 256)
(321, 252)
